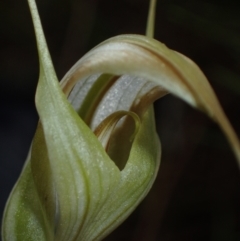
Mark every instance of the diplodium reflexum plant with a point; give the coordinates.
(96, 152)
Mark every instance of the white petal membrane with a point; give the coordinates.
(125, 92)
(120, 96)
(80, 91)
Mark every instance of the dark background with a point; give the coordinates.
(197, 192)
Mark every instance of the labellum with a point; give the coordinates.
(96, 152)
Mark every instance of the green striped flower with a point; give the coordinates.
(96, 152)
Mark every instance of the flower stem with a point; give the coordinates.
(151, 19)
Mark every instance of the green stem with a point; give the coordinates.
(151, 19)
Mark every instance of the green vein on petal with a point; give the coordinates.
(23, 217)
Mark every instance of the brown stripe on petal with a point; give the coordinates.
(142, 102)
(175, 72)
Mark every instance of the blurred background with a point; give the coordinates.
(197, 192)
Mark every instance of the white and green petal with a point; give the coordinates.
(147, 59)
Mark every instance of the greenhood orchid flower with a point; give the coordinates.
(96, 152)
